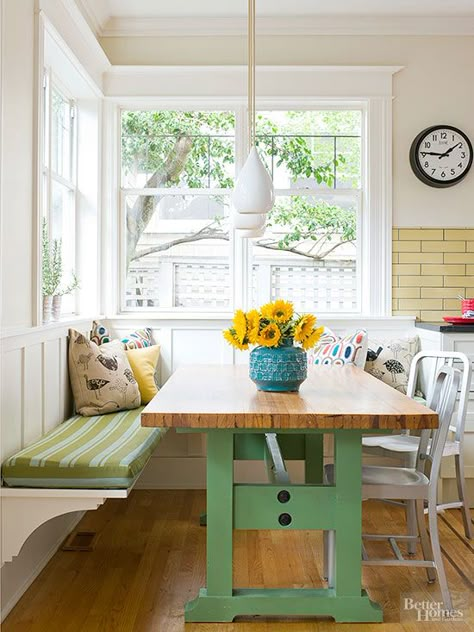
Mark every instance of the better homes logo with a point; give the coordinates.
(421, 609)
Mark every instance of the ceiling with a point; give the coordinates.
(113, 17)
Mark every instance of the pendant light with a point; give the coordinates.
(254, 194)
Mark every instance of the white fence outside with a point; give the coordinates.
(324, 286)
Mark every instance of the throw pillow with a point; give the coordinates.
(390, 360)
(101, 378)
(143, 363)
(350, 349)
(100, 334)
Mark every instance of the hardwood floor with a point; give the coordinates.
(150, 559)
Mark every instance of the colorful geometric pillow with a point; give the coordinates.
(390, 360)
(334, 350)
(135, 340)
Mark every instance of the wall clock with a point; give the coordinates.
(441, 156)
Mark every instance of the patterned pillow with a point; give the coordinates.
(390, 360)
(135, 340)
(101, 378)
(332, 349)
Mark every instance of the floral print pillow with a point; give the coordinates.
(390, 360)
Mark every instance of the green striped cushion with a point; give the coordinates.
(105, 451)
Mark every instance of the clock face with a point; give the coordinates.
(441, 156)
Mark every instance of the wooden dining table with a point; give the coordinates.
(242, 423)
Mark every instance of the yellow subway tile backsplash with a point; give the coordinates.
(459, 257)
(421, 233)
(420, 281)
(403, 269)
(459, 233)
(420, 303)
(431, 268)
(441, 292)
(445, 270)
(408, 292)
(432, 315)
(421, 257)
(443, 246)
(407, 246)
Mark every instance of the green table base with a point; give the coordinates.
(281, 602)
(258, 506)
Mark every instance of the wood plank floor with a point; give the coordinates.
(150, 559)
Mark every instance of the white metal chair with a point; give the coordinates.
(406, 445)
(410, 484)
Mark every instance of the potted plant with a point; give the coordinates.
(277, 363)
(52, 274)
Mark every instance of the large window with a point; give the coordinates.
(177, 174)
(59, 183)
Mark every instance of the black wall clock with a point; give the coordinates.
(441, 156)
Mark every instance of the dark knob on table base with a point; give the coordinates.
(285, 519)
(283, 496)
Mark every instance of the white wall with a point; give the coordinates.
(436, 86)
(16, 254)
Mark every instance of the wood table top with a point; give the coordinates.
(223, 396)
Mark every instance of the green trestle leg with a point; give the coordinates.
(261, 506)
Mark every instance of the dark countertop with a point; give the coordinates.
(446, 328)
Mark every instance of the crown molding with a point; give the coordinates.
(293, 25)
(94, 16)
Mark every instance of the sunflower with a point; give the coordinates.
(253, 325)
(280, 311)
(304, 327)
(231, 337)
(240, 325)
(269, 336)
(312, 338)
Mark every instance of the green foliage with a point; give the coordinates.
(52, 266)
(305, 147)
(303, 221)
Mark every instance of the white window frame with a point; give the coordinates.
(288, 88)
(50, 82)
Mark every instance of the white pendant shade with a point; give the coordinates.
(251, 232)
(248, 220)
(254, 192)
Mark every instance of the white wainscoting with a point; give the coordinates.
(34, 397)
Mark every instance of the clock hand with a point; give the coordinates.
(449, 150)
(430, 153)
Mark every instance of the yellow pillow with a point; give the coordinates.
(143, 364)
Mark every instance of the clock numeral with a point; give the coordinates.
(434, 137)
(443, 174)
(453, 173)
(460, 165)
(427, 144)
(427, 164)
(433, 171)
(453, 137)
(463, 154)
(444, 136)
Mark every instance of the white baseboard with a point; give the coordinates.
(30, 578)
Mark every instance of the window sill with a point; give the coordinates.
(54, 326)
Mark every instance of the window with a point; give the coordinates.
(59, 181)
(177, 174)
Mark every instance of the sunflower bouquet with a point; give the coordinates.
(273, 325)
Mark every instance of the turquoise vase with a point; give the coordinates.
(280, 369)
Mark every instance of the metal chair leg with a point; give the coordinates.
(437, 556)
(412, 529)
(462, 491)
(424, 539)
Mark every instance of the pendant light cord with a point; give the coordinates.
(251, 73)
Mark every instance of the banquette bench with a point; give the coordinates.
(76, 466)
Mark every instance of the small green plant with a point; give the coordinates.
(52, 266)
